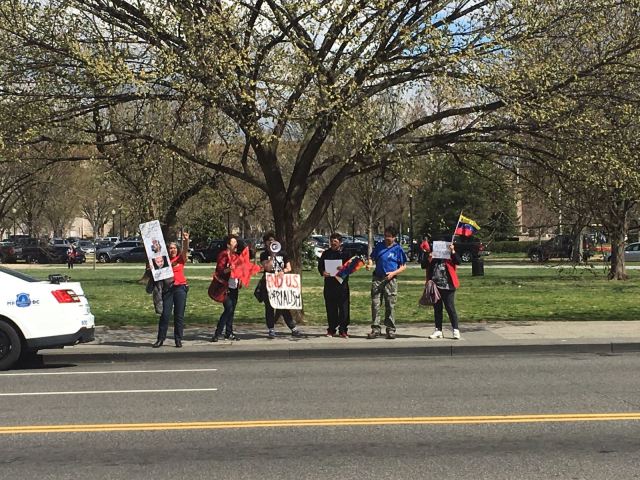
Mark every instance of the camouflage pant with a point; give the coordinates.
(387, 290)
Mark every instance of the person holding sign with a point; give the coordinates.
(274, 260)
(441, 268)
(336, 289)
(390, 261)
(174, 298)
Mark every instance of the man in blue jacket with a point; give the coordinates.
(390, 261)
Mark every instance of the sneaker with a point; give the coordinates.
(436, 334)
(330, 333)
(373, 334)
(296, 333)
(391, 335)
(214, 338)
(344, 335)
(233, 337)
(456, 334)
(271, 334)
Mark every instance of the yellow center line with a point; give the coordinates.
(323, 422)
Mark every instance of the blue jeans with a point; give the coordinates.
(226, 319)
(173, 300)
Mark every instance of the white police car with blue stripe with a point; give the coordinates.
(36, 315)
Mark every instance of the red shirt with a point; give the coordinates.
(177, 264)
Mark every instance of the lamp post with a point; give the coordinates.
(113, 221)
(14, 211)
(353, 228)
(411, 249)
(120, 229)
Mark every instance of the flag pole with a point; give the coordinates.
(457, 224)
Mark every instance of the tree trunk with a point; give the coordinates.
(618, 225)
(617, 271)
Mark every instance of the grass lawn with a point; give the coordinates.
(513, 294)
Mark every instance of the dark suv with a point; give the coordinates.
(210, 253)
(105, 255)
(355, 248)
(8, 253)
(467, 247)
(560, 246)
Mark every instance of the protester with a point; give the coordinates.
(336, 289)
(71, 257)
(390, 261)
(443, 273)
(279, 263)
(174, 297)
(225, 264)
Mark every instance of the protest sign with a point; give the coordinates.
(284, 291)
(156, 249)
(441, 250)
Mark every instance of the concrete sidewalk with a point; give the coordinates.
(134, 344)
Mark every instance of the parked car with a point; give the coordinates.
(560, 246)
(137, 254)
(468, 248)
(86, 246)
(631, 253)
(50, 254)
(208, 253)
(355, 248)
(104, 255)
(59, 241)
(36, 315)
(8, 253)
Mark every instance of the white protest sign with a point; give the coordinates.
(284, 291)
(156, 249)
(441, 250)
(332, 266)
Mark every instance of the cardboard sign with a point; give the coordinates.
(156, 249)
(441, 250)
(284, 291)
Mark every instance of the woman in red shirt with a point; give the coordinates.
(226, 260)
(175, 297)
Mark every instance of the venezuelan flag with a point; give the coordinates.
(350, 266)
(466, 227)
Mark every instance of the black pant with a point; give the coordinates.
(447, 299)
(226, 319)
(174, 299)
(271, 315)
(336, 300)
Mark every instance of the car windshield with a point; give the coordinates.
(20, 275)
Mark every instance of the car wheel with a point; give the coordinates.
(196, 259)
(103, 258)
(119, 260)
(10, 345)
(535, 257)
(33, 260)
(466, 257)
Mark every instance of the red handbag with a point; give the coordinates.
(218, 289)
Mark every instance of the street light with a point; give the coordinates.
(14, 211)
(411, 250)
(113, 222)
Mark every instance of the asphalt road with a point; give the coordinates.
(536, 417)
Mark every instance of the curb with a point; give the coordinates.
(609, 348)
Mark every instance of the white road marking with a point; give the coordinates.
(102, 372)
(106, 392)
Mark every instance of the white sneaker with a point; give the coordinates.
(436, 334)
(456, 334)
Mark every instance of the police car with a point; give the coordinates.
(36, 315)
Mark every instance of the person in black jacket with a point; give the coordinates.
(336, 293)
